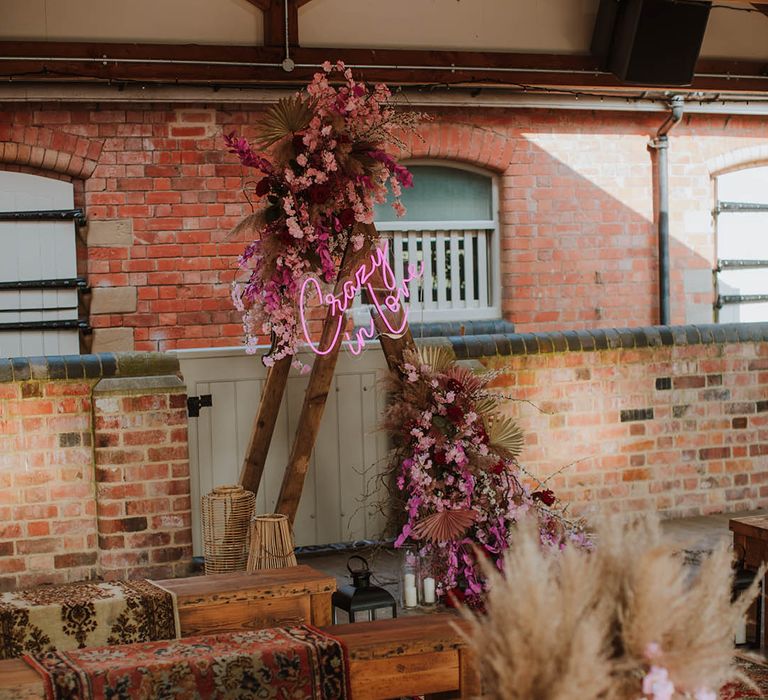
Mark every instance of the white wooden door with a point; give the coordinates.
(36, 250)
(342, 494)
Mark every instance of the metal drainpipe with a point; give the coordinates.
(660, 143)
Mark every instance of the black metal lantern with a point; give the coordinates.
(361, 596)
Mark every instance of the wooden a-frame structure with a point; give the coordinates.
(317, 391)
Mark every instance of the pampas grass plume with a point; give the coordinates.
(578, 624)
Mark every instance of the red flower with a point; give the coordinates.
(499, 467)
(455, 598)
(262, 187)
(546, 496)
(455, 413)
(319, 193)
(440, 457)
(346, 217)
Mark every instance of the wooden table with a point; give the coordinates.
(750, 536)
(240, 601)
(418, 655)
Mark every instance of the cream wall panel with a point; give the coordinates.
(736, 35)
(162, 21)
(560, 26)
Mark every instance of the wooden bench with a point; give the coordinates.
(418, 655)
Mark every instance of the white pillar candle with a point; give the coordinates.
(741, 632)
(429, 590)
(409, 580)
(410, 596)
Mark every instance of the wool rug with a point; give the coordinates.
(76, 615)
(757, 673)
(296, 663)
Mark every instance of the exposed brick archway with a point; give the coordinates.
(750, 156)
(463, 143)
(44, 149)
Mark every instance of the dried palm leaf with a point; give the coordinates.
(470, 382)
(443, 526)
(504, 435)
(486, 405)
(250, 224)
(289, 116)
(437, 357)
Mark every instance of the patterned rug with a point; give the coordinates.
(76, 615)
(296, 663)
(758, 673)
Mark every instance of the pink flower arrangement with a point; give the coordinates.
(456, 469)
(328, 167)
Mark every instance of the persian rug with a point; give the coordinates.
(76, 615)
(296, 663)
(757, 673)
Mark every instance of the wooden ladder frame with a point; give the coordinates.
(317, 391)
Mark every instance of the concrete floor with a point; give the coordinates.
(694, 536)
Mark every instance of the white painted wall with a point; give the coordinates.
(34, 251)
(338, 502)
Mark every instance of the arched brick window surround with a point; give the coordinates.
(482, 148)
(44, 149)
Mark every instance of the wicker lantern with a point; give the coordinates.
(271, 543)
(227, 513)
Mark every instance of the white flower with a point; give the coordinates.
(705, 694)
(657, 684)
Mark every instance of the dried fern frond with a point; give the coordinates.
(443, 526)
(504, 435)
(289, 116)
(437, 357)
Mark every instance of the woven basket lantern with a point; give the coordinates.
(271, 543)
(227, 513)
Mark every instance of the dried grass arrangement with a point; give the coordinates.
(226, 515)
(627, 620)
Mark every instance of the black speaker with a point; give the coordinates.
(650, 42)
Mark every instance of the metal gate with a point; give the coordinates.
(342, 494)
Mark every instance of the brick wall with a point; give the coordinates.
(576, 197)
(94, 473)
(673, 420)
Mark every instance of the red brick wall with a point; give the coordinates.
(94, 479)
(576, 193)
(142, 474)
(612, 437)
(47, 508)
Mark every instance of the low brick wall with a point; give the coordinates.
(668, 419)
(94, 471)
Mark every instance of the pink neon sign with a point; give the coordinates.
(339, 303)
